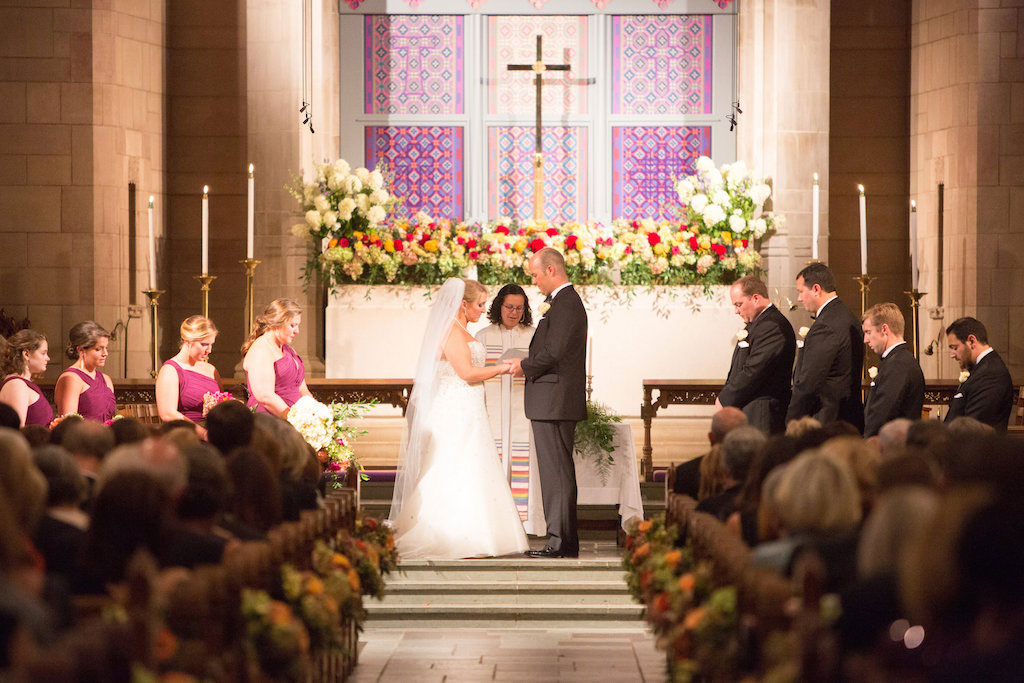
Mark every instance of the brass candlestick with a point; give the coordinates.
(205, 280)
(590, 386)
(250, 274)
(865, 281)
(915, 309)
(154, 295)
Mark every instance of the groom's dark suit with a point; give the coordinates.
(555, 400)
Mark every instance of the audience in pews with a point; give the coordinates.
(184, 380)
(274, 374)
(739, 448)
(83, 388)
(23, 354)
(688, 475)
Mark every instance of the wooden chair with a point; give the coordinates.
(145, 413)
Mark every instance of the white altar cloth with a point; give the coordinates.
(664, 332)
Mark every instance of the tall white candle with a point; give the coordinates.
(206, 230)
(814, 219)
(249, 216)
(152, 246)
(914, 274)
(863, 232)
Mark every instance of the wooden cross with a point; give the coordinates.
(538, 68)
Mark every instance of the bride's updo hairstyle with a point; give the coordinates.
(277, 314)
(474, 290)
(196, 328)
(84, 335)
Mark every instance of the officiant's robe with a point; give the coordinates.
(762, 363)
(511, 429)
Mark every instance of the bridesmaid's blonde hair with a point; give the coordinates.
(278, 313)
(196, 328)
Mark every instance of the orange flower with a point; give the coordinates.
(314, 586)
(353, 580)
(642, 552)
(687, 582)
(693, 618)
(645, 579)
(339, 560)
(662, 602)
(430, 245)
(644, 526)
(389, 542)
(166, 645)
(672, 558)
(280, 615)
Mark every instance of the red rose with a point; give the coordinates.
(653, 238)
(744, 243)
(675, 249)
(399, 246)
(501, 229)
(409, 237)
(693, 243)
(570, 241)
(718, 249)
(470, 243)
(522, 231)
(343, 242)
(474, 254)
(551, 232)
(636, 224)
(537, 244)
(370, 523)
(432, 225)
(460, 240)
(628, 250)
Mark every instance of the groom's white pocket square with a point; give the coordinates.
(743, 344)
(960, 395)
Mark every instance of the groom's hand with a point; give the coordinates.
(516, 367)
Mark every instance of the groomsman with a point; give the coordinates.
(986, 389)
(826, 382)
(897, 384)
(762, 362)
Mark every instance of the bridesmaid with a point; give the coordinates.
(274, 373)
(25, 354)
(183, 381)
(82, 388)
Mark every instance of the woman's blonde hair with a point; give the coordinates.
(11, 360)
(474, 290)
(84, 335)
(818, 494)
(197, 328)
(22, 481)
(278, 313)
(713, 475)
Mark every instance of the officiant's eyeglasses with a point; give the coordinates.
(513, 309)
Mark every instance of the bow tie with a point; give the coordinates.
(547, 299)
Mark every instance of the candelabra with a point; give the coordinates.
(590, 386)
(915, 309)
(204, 281)
(865, 281)
(154, 296)
(250, 274)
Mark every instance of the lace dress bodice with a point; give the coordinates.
(478, 356)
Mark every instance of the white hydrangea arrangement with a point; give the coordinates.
(325, 428)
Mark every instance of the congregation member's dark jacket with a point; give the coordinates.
(987, 395)
(759, 377)
(826, 382)
(897, 391)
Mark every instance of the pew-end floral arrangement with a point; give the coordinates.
(351, 239)
(327, 429)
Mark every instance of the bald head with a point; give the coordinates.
(547, 267)
(723, 422)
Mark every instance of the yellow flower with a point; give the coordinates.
(521, 245)
(389, 246)
(660, 249)
(430, 245)
(353, 580)
(726, 236)
(357, 235)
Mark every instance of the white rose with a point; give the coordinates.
(713, 214)
(759, 193)
(803, 331)
(301, 230)
(379, 196)
(363, 203)
(713, 178)
(353, 184)
(363, 175)
(704, 164)
(698, 202)
(345, 208)
(721, 197)
(313, 218)
(330, 219)
(341, 167)
(684, 188)
(321, 203)
(737, 224)
(376, 215)
(742, 334)
(760, 227)
(964, 374)
(336, 181)
(873, 372)
(422, 218)
(376, 180)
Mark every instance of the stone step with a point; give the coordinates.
(497, 593)
(504, 615)
(566, 571)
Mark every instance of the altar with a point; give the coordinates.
(635, 333)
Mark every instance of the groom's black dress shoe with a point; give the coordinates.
(550, 553)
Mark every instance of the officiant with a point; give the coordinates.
(509, 336)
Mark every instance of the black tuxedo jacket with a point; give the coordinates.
(826, 382)
(762, 365)
(897, 391)
(987, 395)
(555, 371)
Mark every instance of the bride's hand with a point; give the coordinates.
(506, 368)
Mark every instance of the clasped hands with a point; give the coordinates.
(512, 367)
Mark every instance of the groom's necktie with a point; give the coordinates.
(547, 299)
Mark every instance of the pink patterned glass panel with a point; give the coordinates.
(512, 40)
(661, 64)
(644, 160)
(413, 64)
(427, 163)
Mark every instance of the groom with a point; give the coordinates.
(555, 397)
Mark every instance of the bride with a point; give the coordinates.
(451, 497)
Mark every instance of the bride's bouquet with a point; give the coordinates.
(325, 427)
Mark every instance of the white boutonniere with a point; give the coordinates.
(544, 308)
(964, 374)
(873, 372)
(802, 332)
(741, 335)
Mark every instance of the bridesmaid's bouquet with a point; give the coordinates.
(325, 427)
(212, 398)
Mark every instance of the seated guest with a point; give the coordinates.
(910, 469)
(739, 448)
(128, 430)
(36, 435)
(762, 362)
(88, 443)
(254, 506)
(901, 514)
(25, 354)
(205, 496)
(687, 480)
(274, 374)
(61, 429)
(777, 451)
(229, 426)
(862, 459)
(986, 393)
(83, 388)
(300, 470)
(892, 438)
(800, 426)
(964, 427)
(185, 379)
(23, 483)
(61, 531)
(898, 388)
(9, 417)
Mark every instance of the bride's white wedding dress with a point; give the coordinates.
(461, 504)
